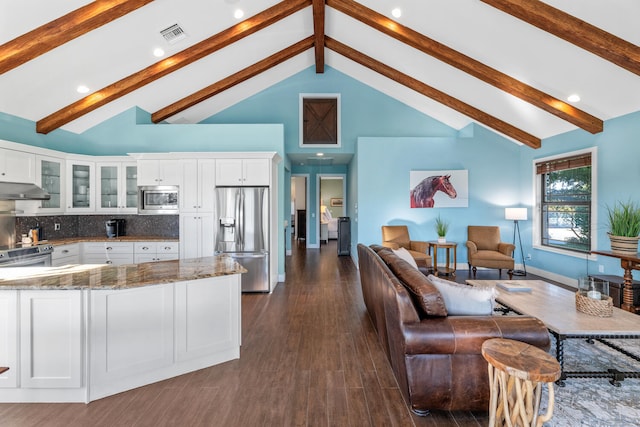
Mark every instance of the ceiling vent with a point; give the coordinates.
(173, 34)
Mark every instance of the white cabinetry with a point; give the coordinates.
(155, 251)
(197, 185)
(196, 235)
(203, 332)
(117, 187)
(158, 172)
(113, 253)
(80, 193)
(65, 255)
(17, 166)
(9, 338)
(133, 331)
(243, 171)
(51, 339)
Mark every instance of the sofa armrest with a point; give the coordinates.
(419, 246)
(465, 334)
(471, 247)
(506, 248)
(391, 245)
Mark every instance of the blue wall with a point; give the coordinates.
(618, 169)
(383, 167)
(364, 111)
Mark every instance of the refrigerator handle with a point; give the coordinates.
(241, 220)
(237, 218)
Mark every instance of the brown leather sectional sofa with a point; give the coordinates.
(436, 358)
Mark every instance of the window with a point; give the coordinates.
(564, 187)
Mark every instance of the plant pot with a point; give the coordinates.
(442, 240)
(624, 245)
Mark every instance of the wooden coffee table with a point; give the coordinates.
(556, 307)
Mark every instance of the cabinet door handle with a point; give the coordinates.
(109, 248)
(144, 248)
(166, 248)
(109, 262)
(65, 251)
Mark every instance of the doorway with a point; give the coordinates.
(331, 190)
(299, 205)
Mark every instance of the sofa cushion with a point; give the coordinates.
(405, 255)
(425, 296)
(464, 300)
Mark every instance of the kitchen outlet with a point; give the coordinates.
(56, 226)
(600, 268)
(529, 256)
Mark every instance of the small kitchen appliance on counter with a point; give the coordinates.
(115, 228)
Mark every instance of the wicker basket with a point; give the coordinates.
(594, 307)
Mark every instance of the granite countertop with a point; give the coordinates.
(70, 240)
(100, 277)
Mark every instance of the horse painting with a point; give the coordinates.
(422, 194)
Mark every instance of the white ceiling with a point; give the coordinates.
(46, 84)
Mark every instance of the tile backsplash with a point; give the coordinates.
(94, 225)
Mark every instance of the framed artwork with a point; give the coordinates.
(439, 189)
(336, 202)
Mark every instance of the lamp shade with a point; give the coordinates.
(515, 214)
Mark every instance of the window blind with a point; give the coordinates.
(564, 163)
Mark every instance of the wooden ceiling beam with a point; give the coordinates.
(166, 66)
(318, 31)
(66, 28)
(582, 34)
(430, 92)
(232, 80)
(469, 65)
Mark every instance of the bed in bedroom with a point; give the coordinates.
(332, 223)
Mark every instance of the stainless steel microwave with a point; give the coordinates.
(158, 199)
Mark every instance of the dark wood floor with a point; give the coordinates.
(309, 357)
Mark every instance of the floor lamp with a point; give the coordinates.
(517, 214)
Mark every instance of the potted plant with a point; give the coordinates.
(624, 227)
(442, 226)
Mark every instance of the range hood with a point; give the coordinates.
(22, 191)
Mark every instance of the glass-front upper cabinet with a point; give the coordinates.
(50, 176)
(117, 187)
(80, 186)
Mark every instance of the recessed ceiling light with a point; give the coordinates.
(238, 13)
(573, 98)
(397, 12)
(319, 154)
(82, 89)
(158, 52)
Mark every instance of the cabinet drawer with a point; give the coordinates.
(110, 259)
(64, 251)
(144, 248)
(108, 247)
(168, 247)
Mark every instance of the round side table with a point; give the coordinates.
(448, 269)
(517, 372)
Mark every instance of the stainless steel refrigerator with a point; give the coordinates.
(243, 232)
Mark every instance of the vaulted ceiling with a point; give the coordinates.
(506, 64)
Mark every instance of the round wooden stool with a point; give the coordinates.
(517, 372)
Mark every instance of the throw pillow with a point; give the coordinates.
(464, 300)
(405, 255)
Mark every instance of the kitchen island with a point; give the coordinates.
(82, 332)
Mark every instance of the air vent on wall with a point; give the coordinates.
(173, 34)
